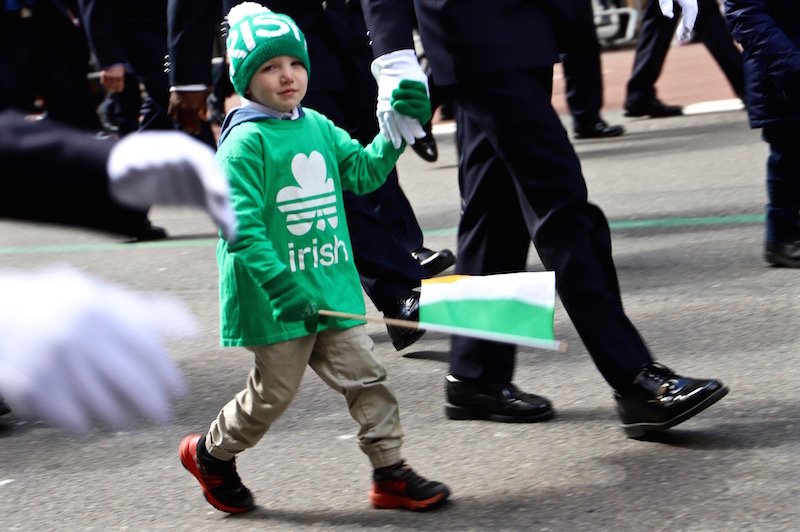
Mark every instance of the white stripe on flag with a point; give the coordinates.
(516, 307)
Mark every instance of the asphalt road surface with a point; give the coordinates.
(685, 199)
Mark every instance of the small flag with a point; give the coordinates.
(513, 308)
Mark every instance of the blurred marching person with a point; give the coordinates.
(77, 351)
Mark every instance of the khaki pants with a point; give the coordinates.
(344, 360)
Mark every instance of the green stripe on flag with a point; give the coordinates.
(503, 316)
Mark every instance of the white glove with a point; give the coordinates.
(688, 16)
(170, 168)
(388, 70)
(77, 352)
(666, 8)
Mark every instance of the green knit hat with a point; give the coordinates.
(256, 35)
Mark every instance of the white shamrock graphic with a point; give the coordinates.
(311, 203)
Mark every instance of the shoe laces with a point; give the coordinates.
(660, 375)
(400, 478)
(510, 391)
(219, 474)
(664, 382)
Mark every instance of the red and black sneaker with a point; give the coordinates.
(400, 487)
(222, 487)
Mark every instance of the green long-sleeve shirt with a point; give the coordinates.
(287, 178)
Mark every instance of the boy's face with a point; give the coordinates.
(279, 83)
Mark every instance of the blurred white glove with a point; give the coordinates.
(170, 168)
(666, 8)
(688, 16)
(388, 70)
(77, 352)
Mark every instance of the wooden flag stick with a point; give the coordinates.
(546, 344)
(388, 321)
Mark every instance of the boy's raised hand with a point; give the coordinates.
(410, 98)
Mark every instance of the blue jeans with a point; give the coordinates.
(783, 183)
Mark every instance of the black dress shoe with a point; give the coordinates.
(493, 402)
(435, 262)
(426, 146)
(783, 254)
(598, 130)
(660, 399)
(147, 233)
(406, 308)
(654, 108)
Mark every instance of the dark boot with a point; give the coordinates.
(406, 308)
(660, 399)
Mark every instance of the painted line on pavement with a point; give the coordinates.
(700, 108)
(734, 104)
(188, 243)
(655, 222)
(208, 242)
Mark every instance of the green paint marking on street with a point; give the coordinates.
(655, 222)
(678, 222)
(121, 246)
(202, 242)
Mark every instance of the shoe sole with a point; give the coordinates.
(640, 430)
(585, 136)
(779, 260)
(657, 115)
(188, 450)
(384, 501)
(461, 413)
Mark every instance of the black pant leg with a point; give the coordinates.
(711, 29)
(386, 268)
(384, 263)
(654, 41)
(570, 234)
(62, 66)
(391, 203)
(17, 62)
(584, 85)
(492, 238)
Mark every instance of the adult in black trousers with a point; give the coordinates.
(387, 240)
(134, 34)
(584, 84)
(655, 38)
(520, 181)
(43, 53)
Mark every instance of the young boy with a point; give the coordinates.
(288, 166)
